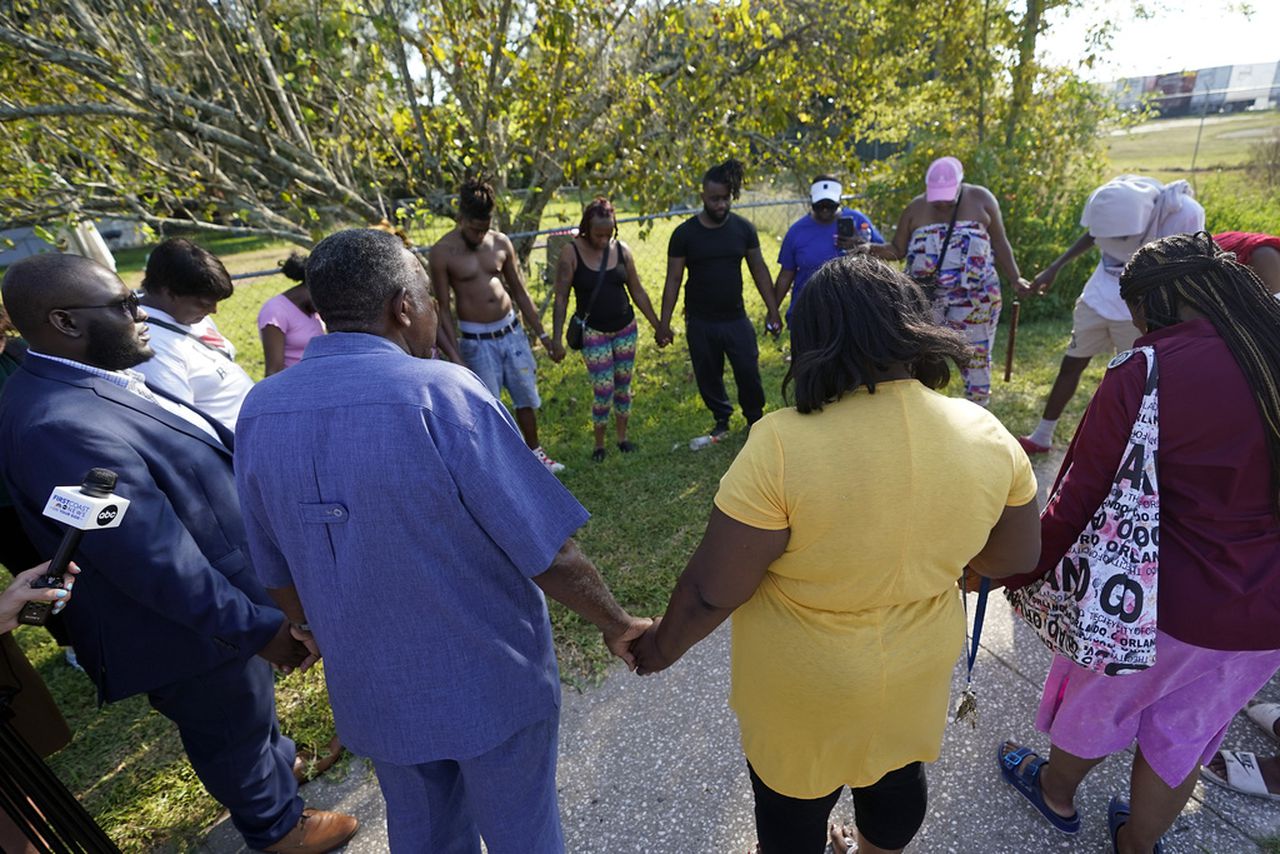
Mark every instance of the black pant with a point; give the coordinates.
(888, 813)
(709, 342)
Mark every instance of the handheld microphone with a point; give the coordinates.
(88, 507)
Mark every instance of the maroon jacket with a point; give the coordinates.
(1219, 533)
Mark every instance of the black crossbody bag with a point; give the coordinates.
(573, 335)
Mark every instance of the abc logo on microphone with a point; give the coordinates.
(108, 514)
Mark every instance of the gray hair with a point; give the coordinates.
(353, 273)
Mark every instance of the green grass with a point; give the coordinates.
(1163, 148)
(648, 513)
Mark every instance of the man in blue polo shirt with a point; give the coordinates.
(394, 511)
(813, 240)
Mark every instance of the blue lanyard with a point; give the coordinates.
(979, 612)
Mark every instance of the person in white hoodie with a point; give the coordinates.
(1120, 217)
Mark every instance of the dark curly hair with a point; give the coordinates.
(855, 318)
(295, 267)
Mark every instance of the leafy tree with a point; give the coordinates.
(269, 119)
(284, 117)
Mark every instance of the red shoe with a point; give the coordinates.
(1031, 447)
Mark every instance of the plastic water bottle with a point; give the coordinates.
(699, 442)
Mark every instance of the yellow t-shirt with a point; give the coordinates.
(842, 659)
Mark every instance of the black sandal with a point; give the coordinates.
(626, 447)
(597, 456)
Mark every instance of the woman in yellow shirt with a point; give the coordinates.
(836, 540)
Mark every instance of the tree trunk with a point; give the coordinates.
(1024, 72)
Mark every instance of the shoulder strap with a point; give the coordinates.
(951, 226)
(595, 292)
(173, 327)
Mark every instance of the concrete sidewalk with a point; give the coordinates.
(653, 765)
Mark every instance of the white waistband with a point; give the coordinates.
(494, 326)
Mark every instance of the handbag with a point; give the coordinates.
(573, 335)
(930, 282)
(1098, 605)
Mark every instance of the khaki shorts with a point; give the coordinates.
(1092, 334)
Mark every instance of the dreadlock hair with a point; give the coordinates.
(856, 317)
(476, 199)
(598, 208)
(1191, 270)
(730, 173)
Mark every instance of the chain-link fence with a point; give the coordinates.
(258, 278)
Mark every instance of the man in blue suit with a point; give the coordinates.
(167, 604)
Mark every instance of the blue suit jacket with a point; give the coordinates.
(170, 593)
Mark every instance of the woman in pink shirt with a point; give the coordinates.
(288, 321)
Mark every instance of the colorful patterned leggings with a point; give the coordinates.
(610, 356)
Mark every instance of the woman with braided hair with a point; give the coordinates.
(1213, 326)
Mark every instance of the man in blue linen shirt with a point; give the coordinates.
(812, 240)
(391, 502)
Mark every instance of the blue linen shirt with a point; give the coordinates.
(808, 244)
(396, 494)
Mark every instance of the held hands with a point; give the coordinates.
(663, 335)
(852, 245)
(649, 657)
(621, 636)
(773, 324)
(970, 581)
(556, 351)
(286, 652)
(1041, 283)
(308, 640)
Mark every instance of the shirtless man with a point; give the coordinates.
(477, 267)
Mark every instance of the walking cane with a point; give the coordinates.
(1013, 336)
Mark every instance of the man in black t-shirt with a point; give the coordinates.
(712, 245)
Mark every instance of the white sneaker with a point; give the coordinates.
(552, 466)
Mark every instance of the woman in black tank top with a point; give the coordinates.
(609, 334)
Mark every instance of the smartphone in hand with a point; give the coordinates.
(846, 227)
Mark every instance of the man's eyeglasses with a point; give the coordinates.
(129, 305)
(825, 205)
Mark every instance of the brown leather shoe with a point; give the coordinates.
(317, 832)
(307, 765)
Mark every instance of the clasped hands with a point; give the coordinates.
(636, 643)
(291, 648)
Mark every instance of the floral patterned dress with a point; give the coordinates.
(967, 297)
